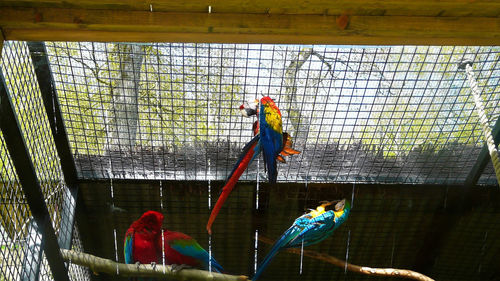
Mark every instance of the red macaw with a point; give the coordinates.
(268, 137)
(140, 243)
(181, 249)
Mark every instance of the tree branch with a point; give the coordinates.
(97, 264)
(405, 273)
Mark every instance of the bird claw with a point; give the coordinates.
(178, 267)
(153, 264)
(138, 264)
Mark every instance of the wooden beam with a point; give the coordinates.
(1, 42)
(446, 8)
(144, 26)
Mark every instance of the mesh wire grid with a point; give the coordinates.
(76, 272)
(15, 222)
(187, 130)
(24, 92)
(399, 114)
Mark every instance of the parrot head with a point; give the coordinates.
(152, 220)
(340, 207)
(249, 108)
(342, 210)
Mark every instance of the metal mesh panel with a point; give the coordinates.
(398, 114)
(21, 81)
(76, 272)
(15, 222)
(24, 92)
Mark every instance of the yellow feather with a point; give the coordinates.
(338, 213)
(273, 118)
(319, 211)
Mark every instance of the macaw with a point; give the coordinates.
(309, 229)
(140, 243)
(268, 137)
(182, 250)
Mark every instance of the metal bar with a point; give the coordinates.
(40, 60)
(38, 54)
(483, 159)
(21, 159)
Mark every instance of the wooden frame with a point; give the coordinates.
(422, 22)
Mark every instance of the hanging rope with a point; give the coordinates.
(483, 118)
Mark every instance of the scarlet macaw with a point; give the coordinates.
(268, 137)
(309, 229)
(181, 249)
(140, 243)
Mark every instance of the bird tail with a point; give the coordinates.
(216, 266)
(245, 158)
(289, 235)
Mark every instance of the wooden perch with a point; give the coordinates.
(97, 264)
(352, 267)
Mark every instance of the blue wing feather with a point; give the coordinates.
(194, 250)
(306, 230)
(289, 235)
(128, 248)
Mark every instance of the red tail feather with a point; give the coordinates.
(231, 182)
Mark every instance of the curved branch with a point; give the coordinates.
(405, 273)
(97, 264)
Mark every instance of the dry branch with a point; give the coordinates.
(97, 264)
(355, 268)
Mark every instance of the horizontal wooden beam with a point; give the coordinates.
(66, 24)
(446, 8)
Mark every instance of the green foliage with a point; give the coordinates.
(418, 116)
(177, 100)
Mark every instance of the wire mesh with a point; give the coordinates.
(25, 94)
(399, 114)
(18, 71)
(76, 272)
(170, 111)
(15, 220)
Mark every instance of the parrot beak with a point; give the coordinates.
(249, 109)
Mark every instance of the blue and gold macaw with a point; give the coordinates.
(309, 229)
(268, 138)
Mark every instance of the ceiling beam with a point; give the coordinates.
(76, 24)
(444, 8)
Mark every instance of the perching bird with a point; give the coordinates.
(249, 109)
(140, 243)
(271, 135)
(309, 229)
(270, 140)
(181, 250)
